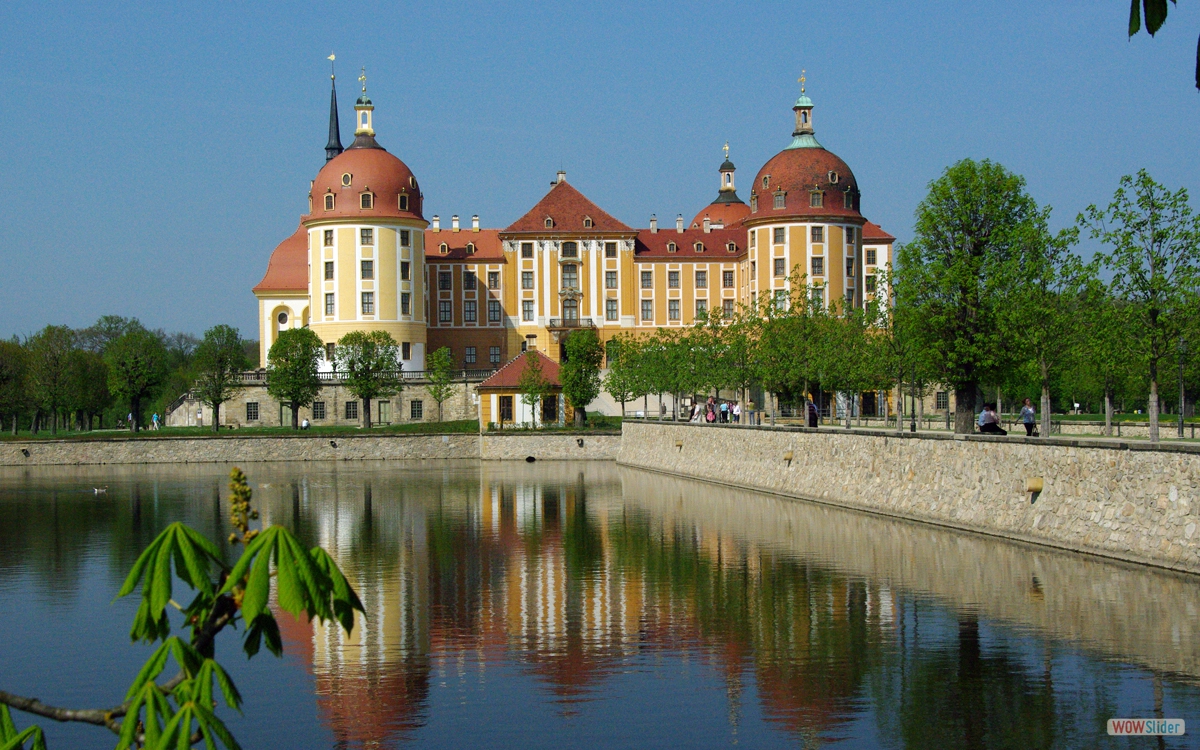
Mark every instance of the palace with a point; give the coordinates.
(365, 257)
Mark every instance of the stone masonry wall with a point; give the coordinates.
(1126, 501)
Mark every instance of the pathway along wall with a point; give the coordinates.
(1118, 500)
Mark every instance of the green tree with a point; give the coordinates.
(1155, 267)
(292, 369)
(620, 381)
(14, 387)
(181, 711)
(370, 363)
(220, 361)
(532, 384)
(136, 366)
(97, 337)
(439, 371)
(88, 386)
(49, 353)
(954, 273)
(580, 372)
(1155, 15)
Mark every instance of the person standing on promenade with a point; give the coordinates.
(812, 415)
(1029, 418)
(737, 412)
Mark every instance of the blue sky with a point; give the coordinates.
(154, 156)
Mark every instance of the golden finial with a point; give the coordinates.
(363, 78)
(726, 150)
(802, 80)
(331, 58)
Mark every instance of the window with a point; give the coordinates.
(493, 279)
(405, 303)
(780, 299)
(329, 270)
(780, 267)
(367, 267)
(849, 298)
(753, 203)
(405, 270)
(351, 410)
(848, 199)
(818, 297)
(731, 247)
(469, 311)
(493, 311)
(701, 307)
(849, 235)
(673, 279)
(753, 269)
(251, 411)
(727, 308)
(698, 247)
(610, 309)
(366, 200)
(368, 303)
(416, 409)
(610, 249)
(647, 279)
(282, 318)
(406, 350)
(610, 279)
(727, 279)
(494, 355)
(318, 409)
(779, 199)
(330, 351)
(444, 280)
(871, 257)
(405, 238)
(672, 247)
(329, 201)
(469, 356)
(366, 236)
(468, 279)
(445, 311)
(766, 181)
(941, 400)
(870, 282)
(647, 309)
(570, 309)
(780, 235)
(849, 266)
(527, 279)
(443, 248)
(506, 404)
(754, 239)
(328, 238)
(587, 222)
(470, 248)
(816, 199)
(672, 309)
(702, 279)
(550, 409)
(549, 222)
(347, 178)
(402, 202)
(329, 304)
(570, 276)
(526, 249)
(818, 266)
(818, 234)
(527, 310)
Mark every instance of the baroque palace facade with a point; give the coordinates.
(365, 257)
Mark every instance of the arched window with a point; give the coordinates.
(366, 200)
(587, 222)
(443, 248)
(470, 248)
(804, 117)
(549, 222)
(329, 201)
(672, 247)
(699, 247)
(731, 247)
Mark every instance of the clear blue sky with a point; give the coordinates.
(153, 155)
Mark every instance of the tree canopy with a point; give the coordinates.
(292, 369)
(370, 364)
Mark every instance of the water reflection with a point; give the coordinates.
(824, 624)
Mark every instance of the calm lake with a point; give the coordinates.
(587, 605)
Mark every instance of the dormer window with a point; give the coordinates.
(402, 202)
(470, 248)
(549, 223)
(780, 198)
(443, 248)
(816, 199)
(699, 247)
(347, 179)
(672, 247)
(753, 203)
(833, 177)
(766, 181)
(587, 222)
(731, 247)
(329, 201)
(849, 200)
(366, 200)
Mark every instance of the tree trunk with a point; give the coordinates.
(900, 404)
(136, 411)
(295, 416)
(580, 417)
(920, 404)
(964, 414)
(1108, 412)
(1152, 409)
(53, 420)
(439, 403)
(367, 413)
(216, 417)
(16, 418)
(1045, 408)
(774, 403)
(849, 408)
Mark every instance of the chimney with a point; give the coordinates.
(707, 225)
(653, 224)
(437, 223)
(475, 223)
(454, 223)
(562, 177)
(679, 223)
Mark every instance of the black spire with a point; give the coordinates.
(334, 147)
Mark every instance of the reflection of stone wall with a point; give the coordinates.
(1130, 613)
(1141, 505)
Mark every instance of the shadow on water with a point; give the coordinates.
(825, 624)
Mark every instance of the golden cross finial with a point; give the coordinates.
(802, 80)
(363, 78)
(331, 58)
(726, 150)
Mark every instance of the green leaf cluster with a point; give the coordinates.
(292, 369)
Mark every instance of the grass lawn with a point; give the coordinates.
(410, 428)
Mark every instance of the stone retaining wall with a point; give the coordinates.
(1126, 501)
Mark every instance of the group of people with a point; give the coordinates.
(717, 411)
(989, 420)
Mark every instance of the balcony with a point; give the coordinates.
(568, 323)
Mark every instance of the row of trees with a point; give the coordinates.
(578, 374)
(985, 299)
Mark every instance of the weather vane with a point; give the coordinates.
(363, 78)
(802, 80)
(726, 150)
(331, 58)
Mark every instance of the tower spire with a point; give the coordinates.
(334, 146)
(802, 136)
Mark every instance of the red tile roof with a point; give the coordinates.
(872, 231)
(567, 208)
(729, 214)
(486, 241)
(287, 271)
(797, 172)
(508, 375)
(653, 245)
